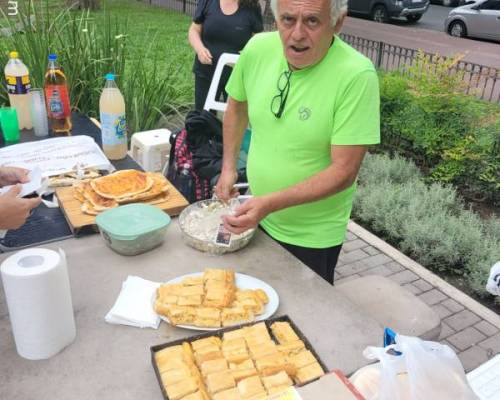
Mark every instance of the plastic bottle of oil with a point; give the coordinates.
(113, 123)
(18, 86)
(57, 98)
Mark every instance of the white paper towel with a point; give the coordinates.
(38, 296)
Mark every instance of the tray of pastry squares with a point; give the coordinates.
(215, 298)
(254, 361)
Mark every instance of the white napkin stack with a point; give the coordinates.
(134, 305)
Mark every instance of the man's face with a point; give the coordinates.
(306, 30)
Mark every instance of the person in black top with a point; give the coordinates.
(220, 26)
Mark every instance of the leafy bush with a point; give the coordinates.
(88, 46)
(453, 137)
(427, 222)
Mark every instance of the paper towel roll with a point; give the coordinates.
(38, 296)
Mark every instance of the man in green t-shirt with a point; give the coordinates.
(312, 102)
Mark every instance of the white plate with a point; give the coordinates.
(242, 282)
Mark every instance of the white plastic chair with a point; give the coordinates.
(211, 103)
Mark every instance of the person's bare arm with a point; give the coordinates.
(341, 174)
(15, 210)
(194, 36)
(235, 123)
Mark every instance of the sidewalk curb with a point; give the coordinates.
(473, 305)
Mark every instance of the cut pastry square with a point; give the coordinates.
(259, 329)
(212, 341)
(236, 315)
(171, 376)
(229, 394)
(246, 364)
(169, 352)
(195, 300)
(262, 349)
(195, 396)
(250, 387)
(213, 366)
(192, 281)
(208, 317)
(236, 334)
(291, 348)
(240, 374)
(169, 290)
(179, 315)
(215, 274)
(218, 297)
(188, 354)
(237, 355)
(276, 380)
(271, 360)
(169, 364)
(181, 389)
(262, 295)
(252, 304)
(204, 357)
(207, 348)
(309, 373)
(234, 344)
(284, 332)
(277, 389)
(302, 359)
(220, 381)
(161, 308)
(192, 290)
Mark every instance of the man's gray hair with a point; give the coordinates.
(337, 8)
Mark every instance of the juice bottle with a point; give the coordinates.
(57, 98)
(113, 123)
(18, 87)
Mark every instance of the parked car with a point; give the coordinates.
(449, 3)
(480, 19)
(382, 10)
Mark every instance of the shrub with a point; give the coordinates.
(427, 222)
(453, 137)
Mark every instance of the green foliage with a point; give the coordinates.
(454, 137)
(427, 222)
(90, 44)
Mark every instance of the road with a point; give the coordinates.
(416, 37)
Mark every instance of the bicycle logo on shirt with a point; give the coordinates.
(304, 113)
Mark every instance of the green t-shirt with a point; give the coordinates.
(335, 102)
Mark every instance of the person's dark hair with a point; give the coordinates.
(248, 3)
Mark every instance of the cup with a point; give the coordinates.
(9, 124)
(38, 113)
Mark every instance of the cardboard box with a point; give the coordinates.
(332, 386)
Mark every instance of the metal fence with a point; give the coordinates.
(480, 80)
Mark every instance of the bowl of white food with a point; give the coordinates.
(200, 221)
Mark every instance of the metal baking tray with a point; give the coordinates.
(219, 333)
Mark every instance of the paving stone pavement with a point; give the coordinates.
(474, 339)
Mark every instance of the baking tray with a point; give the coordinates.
(219, 333)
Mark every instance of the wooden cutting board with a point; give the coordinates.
(78, 221)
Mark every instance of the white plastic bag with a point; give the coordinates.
(425, 371)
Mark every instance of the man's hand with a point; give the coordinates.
(224, 189)
(13, 175)
(15, 210)
(204, 55)
(248, 215)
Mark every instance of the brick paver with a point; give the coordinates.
(473, 339)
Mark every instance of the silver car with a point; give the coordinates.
(479, 19)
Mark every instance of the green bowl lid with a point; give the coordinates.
(132, 220)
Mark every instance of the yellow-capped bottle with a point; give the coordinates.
(18, 86)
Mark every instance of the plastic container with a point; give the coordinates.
(134, 228)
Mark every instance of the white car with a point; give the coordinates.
(480, 19)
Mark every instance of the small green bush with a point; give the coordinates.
(427, 222)
(453, 137)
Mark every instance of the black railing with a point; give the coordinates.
(479, 80)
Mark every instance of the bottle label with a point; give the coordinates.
(18, 84)
(113, 128)
(57, 100)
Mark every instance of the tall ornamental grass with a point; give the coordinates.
(88, 46)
